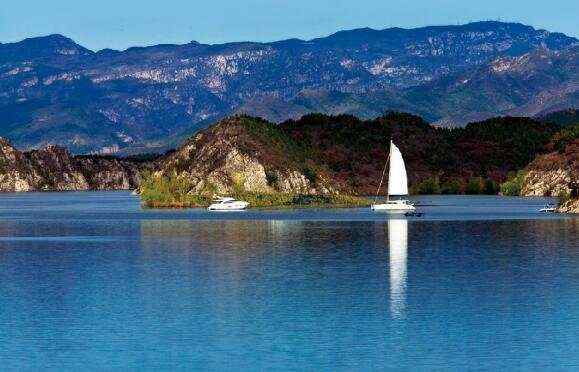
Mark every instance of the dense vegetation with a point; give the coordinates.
(169, 191)
(565, 137)
(562, 118)
(174, 191)
(474, 159)
(514, 185)
(482, 158)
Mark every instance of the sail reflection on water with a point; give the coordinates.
(398, 245)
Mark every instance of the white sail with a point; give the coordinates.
(397, 178)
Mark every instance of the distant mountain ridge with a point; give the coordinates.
(54, 91)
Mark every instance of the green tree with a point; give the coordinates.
(428, 186)
(474, 186)
(490, 187)
(513, 185)
(451, 187)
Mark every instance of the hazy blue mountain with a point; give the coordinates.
(141, 99)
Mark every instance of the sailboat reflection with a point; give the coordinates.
(398, 243)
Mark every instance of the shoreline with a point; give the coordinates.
(569, 207)
(269, 207)
(269, 201)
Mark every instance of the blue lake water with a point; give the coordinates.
(92, 281)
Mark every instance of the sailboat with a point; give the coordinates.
(397, 184)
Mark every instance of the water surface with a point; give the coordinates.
(90, 280)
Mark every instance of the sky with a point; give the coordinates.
(120, 24)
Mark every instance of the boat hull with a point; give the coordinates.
(236, 206)
(229, 207)
(393, 207)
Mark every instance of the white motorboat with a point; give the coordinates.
(549, 208)
(397, 184)
(228, 204)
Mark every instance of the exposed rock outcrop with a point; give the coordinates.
(54, 169)
(242, 153)
(549, 175)
(557, 173)
(570, 206)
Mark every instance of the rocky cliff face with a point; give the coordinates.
(552, 174)
(569, 206)
(557, 173)
(243, 153)
(54, 169)
(55, 91)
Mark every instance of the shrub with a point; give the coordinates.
(474, 186)
(513, 185)
(310, 174)
(173, 190)
(271, 178)
(451, 187)
(564, 196)
(428, 186)
(490, 187)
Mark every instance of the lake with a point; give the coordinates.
(92, 281)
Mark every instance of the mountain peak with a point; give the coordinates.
(393, 34)
(42, 47)
(52, 37)
(52, 40)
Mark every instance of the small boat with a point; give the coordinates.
(414, 214)
(397, 184)
(549, 208)
(228, 204)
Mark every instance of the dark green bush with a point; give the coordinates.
(490, 187)
(451, 187)
(474, 186)
(428, 186)
(310, 174)
(514, 184)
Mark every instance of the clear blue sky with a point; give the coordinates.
(122, 23)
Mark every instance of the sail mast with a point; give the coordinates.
(383, 174)
(389, 158)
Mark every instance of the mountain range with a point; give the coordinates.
(145, 99)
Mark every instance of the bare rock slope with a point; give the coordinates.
(557, 173)
(247, 154)
(54, 169)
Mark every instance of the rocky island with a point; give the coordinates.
(338, 159)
